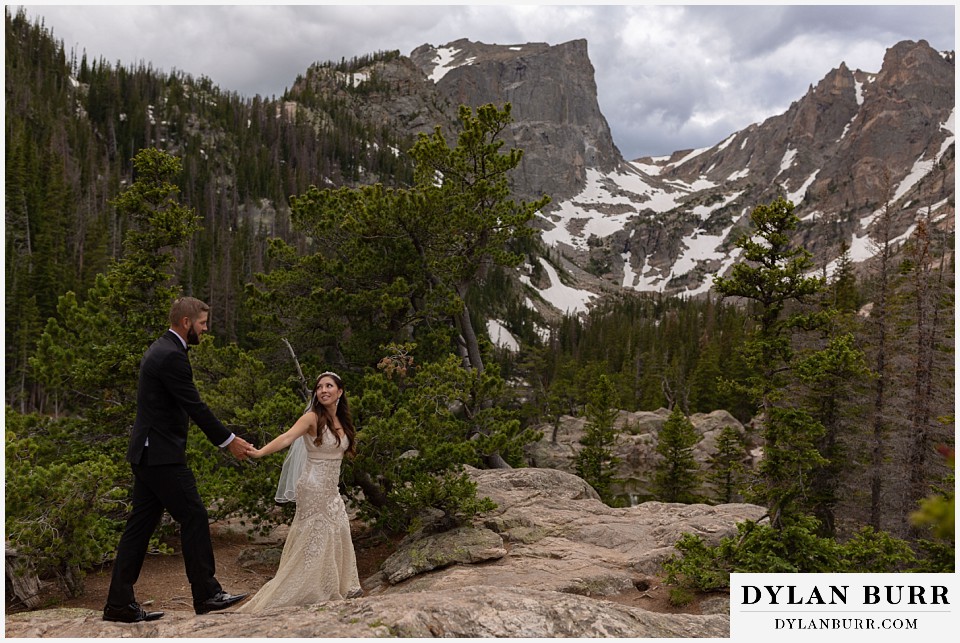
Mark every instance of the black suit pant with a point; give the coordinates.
(170, 487)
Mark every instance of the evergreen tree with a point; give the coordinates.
(677, 474)
(466, 220)
(596, 462)
(843, 285)
(726, 471)
(773, 276)
(88, 356)
(417, 419)
(830, 377)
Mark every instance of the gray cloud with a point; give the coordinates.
(669, 77)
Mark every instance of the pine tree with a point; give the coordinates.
(677, 474)
(843, 285)
(773, 275)
(830, 377)
(468, 220)
(596, 462)
(88, 356)
(726, 470)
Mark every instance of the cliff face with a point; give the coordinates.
(553, 94)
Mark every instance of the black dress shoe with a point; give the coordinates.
(219, 601)
(131, 613)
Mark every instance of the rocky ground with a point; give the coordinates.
(242, 567)
(550, 561)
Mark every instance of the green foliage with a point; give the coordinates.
(938, 510)
(773, 277)
(871, 551)
(451, 493)
(595, 462)
(255, 404)
(394, 265)
(773, 268)
(794, 547)
(772, 274)
(468, 219)
(677, 473)
(726, 470)
(88, 356)
(843, 286)
(790, 455)
(937, 556)
(61, 513)
(828, 378)
(419, 426)
(648, 344)
(680, 596)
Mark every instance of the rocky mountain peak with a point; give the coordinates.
(911, 63)
(553, 94)
(854, 143)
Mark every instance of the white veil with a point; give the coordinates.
(292, 468)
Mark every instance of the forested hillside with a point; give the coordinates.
(322, 241)
(73, 127)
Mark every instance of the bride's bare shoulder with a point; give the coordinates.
(308, 422)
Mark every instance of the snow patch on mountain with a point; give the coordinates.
(609, 201)
(559, 295)
(500, 336)
(703, 212)
(445, 56)
(797, 197)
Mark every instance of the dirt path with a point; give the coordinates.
(243, 565)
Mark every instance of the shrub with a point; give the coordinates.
(62, 515)
(795, 547)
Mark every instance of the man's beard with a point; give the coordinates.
(192, 337)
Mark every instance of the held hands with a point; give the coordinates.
(254, 452)
(240, 448)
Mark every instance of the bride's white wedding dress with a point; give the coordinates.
(318, 562)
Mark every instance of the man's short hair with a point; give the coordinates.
(186, 307)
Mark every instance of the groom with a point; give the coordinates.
(166, 399)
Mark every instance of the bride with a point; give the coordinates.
(318, 562)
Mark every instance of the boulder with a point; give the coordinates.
(461, 545)
(559, 536)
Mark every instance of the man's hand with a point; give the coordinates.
(239, 448)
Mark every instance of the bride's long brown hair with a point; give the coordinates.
(343, 414)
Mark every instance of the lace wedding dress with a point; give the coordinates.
(318, 562)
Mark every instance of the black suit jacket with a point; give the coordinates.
(167, 399)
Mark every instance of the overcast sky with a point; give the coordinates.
(669, 77)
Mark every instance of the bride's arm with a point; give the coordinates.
(282, 441)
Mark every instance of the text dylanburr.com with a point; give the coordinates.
(843, 607)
